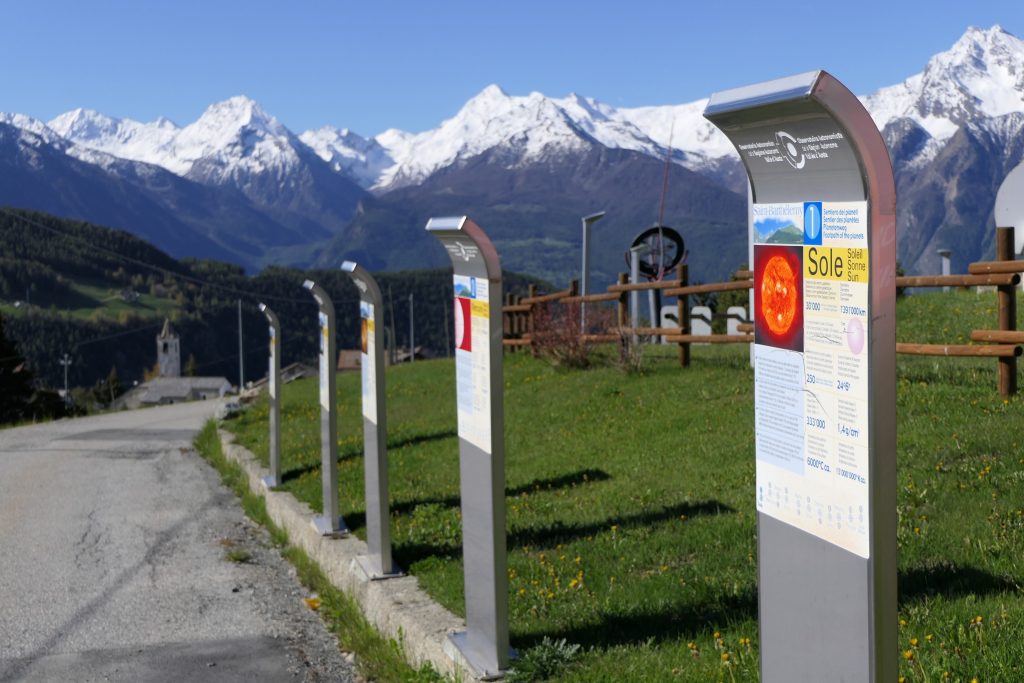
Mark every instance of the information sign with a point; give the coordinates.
(479, 402)
(273, 381)
(811, 368)
(823, 234)
(330, 522)
(368, 359)
(377, 563)
(473, 359)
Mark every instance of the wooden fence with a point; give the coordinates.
(1003, 343)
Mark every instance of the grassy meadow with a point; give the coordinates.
(631, 520)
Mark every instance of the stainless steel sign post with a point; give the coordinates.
(824, 218)
(587, 221)
(377, 564)
(330, 521)
(480, 403)
(274, 402)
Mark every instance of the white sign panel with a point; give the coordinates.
(272, 376)
(811, 317)
(325, 363)
(473, 360)
(368, 360)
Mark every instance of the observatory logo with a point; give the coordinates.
(788, 144)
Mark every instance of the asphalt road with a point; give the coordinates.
(114, 537)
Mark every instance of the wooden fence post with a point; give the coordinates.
(1007, 313)
(622, 308)
(683, 314)
(531, 291)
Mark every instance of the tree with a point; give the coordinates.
(15, 382)
(114, 388)
(191, 366)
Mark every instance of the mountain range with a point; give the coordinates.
(237, 184)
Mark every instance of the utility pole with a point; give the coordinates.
(412, 337)
(66, 362)
(241, 354)
(394, 334)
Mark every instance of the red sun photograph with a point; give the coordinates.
(778, 296)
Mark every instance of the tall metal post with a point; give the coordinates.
(273, 400)
(66, 362)
(480, 403)
(330, 522)
(241, 353)
(377, 564)
(634, 277)
(945, 254)
(824, 212)
(412, 332)
(587, 221)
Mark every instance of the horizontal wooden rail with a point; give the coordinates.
(958, 280)
(980, 350)
(709, 338)
(712, 287)
(600, 338)
(651, 330)
(743, 275)
(516, 342)
(545, 298)
(516, 308)
(642, 286)
(745, 327)
(998, 336)
(982, 267)
(590, 298)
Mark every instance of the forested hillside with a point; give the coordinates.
(101, 295)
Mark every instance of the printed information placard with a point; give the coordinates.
(368, 360)
(325, 363)
(811, 318)
(473, 360)
(272, 376)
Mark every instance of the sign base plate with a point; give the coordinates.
(324, 526)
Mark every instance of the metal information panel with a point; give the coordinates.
(478, 368)
(823, 209)
(273, 386)
(377, 564)
(330, 522)
(1009, 210)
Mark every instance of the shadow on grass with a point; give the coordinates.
(673, 623)
(422, 438)
(294, 473)
(558, 532)
(578, 478)
(950, 581)
(550, 536)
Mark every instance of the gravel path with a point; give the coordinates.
(115, 538)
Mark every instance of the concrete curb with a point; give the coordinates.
(396, 607)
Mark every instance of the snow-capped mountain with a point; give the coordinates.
(365, 160)
(953, 132)
(234, 144)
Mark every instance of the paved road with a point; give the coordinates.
(113, 536)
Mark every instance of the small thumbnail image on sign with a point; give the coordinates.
(778, 296)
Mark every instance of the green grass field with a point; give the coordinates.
(631, 521)
(96, 300)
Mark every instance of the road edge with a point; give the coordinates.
(396, 607)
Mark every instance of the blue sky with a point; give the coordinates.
(370, 66)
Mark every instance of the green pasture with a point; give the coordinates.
(97, 300)
(631, 520)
